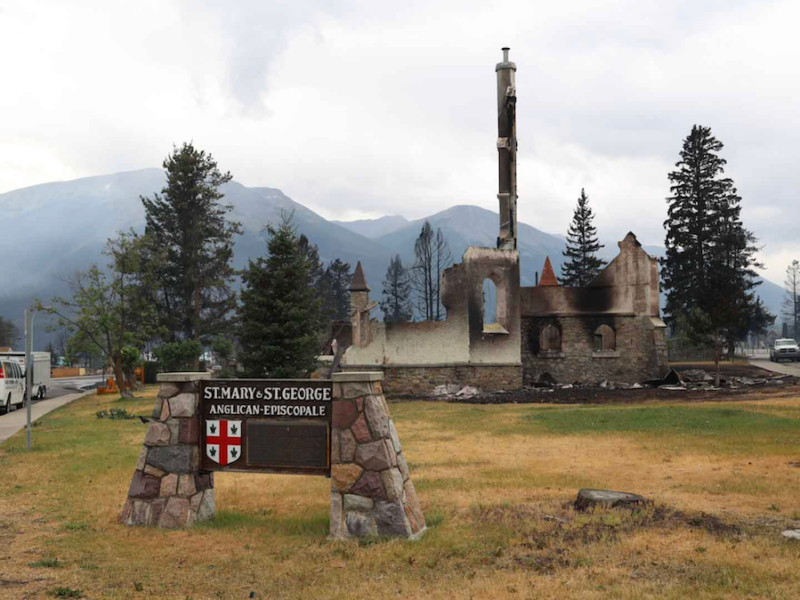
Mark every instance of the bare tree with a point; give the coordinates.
(432, 257)
(791, 303)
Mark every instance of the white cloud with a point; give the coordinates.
(362, 109)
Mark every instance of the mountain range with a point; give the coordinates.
(54, 229)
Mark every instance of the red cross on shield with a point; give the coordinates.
(224, 441)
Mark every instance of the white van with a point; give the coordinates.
(41, 370)
(12, 385)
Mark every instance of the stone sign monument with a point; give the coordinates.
(340, 428)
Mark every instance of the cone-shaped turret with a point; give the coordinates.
(359, 283)
(548, 276)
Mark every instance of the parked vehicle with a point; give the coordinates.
(41, 370)
(784, 348)
(12, 385)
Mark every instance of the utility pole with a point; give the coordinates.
(28, 367)
(507, 151)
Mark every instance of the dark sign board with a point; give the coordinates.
(267, 425)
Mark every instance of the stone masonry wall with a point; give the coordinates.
(371, 489)
(422, 379)
(638, 354)
(168, 489)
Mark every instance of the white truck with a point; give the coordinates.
(41, 370)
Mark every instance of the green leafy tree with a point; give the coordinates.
(131, 358)
(178, 356)
(189, 225)
(396, 301)
(709, 268)
(9, 333)
(279, 311)
(582, 264)
(106, 310)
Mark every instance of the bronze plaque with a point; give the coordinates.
(266, 425)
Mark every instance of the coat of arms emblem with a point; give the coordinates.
(224, 441)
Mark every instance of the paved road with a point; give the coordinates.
(17, 419)
(785, 368)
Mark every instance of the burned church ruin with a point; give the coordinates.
(610, 329)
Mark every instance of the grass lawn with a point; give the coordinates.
(495, 483)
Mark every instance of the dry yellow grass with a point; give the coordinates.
(494, 482)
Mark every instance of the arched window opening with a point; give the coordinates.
(550, 339)
(605, 339)
(489, 302)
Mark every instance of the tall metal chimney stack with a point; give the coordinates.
(507, 151)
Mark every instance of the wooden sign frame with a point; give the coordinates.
(266, 425)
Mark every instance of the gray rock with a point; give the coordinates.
(394, 437)
(377, 416)
(157, 434)
(182, 405)
(158, 405)
(373, 456)
(172, 459)
(391, 520)
(403, 466)
(588, 498)
(347, 446)
(792, 534)
(208, 506)
(142, 457)
(392, 483)
(359, 525)
(144, 486)
(168, 390)
(357, 503)
(337, 516)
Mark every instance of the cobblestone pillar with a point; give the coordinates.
(168, 489)
(371, 488)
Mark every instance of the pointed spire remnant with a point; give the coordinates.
(359, 283)
(548, 276)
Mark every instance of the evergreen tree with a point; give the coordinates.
(582, 265)
(188, 224)
(709, 269)
(335, 288)
(791, 303)
(396, 305)
(316, 275)
(279, 311)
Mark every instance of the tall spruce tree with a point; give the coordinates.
(709, 268)
(188, 223)
(396, 302)
(582, 264)
(279, 312)
(336, 291)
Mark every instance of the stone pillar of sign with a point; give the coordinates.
(168, 488)
(371, 488)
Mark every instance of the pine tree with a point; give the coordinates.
(709, 269)
(9, 333)
(336, 291)
(582, 265)
(188, 223)
(396, 305)
(279, 311)
(791, 303)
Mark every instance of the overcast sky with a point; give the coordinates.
(361, 109)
